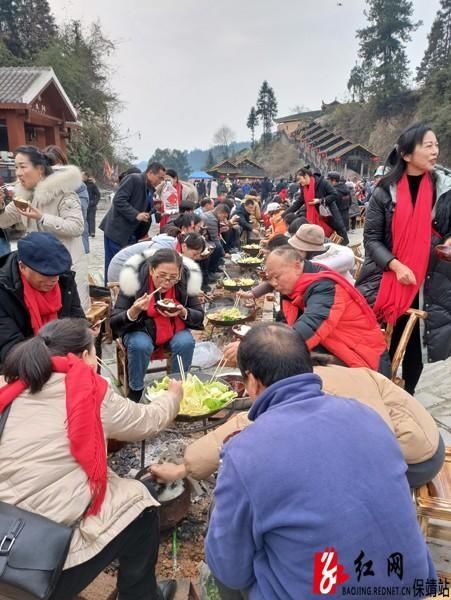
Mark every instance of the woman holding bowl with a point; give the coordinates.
(408, 216)
(157, 306)
(46, 200)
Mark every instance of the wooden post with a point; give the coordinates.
(52, 136)
(15, 125)
(40, 137)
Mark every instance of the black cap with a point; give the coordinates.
(44, 253)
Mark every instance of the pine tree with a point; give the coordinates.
(210, 162)
(438, 52)
(382, 47)
(26, 26)
(266, 109)
(252, 122)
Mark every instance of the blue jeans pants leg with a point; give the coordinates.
(5, 248)
(111, 249)
(182, 344)
(139, 349)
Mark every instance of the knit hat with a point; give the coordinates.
(273, 207)
(44, 253)
(308, 238)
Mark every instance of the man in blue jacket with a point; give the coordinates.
(312, 498)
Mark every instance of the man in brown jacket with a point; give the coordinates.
(416, 431)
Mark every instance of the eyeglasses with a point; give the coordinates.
(168, 278)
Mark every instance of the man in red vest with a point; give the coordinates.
(328, 312)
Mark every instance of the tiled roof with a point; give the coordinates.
(21, 85)
(15, 82)
(311, 114)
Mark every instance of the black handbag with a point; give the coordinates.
(33, 550)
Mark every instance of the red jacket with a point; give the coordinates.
(329, 312)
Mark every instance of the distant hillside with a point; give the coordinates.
(197, 157)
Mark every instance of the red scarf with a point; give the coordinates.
(411, 231)
(312, 213)
(179, 187)
(43, 307)
(85, 391)
(165, 327)
(295, 301)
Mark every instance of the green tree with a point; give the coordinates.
(26, 26)
(224, 138)
(93, 142)
(266, 109)
(173, 159)
(80, 62)
(210, 162)
(252, 122)
(438, 51)
(358, 83)
(382, 47)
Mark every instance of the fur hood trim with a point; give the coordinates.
(63, 180)
(130, 283)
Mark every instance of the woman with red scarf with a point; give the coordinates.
(409, 214)
(53, 457)
(318, 195)
(144, 326)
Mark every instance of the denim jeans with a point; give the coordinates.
(5, 248)
(140, 346)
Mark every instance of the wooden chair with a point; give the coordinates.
(360, 220)
(335, 238)
(160, 354)
(358, 264)
(357, 249)
(414, 315)
(433, 502)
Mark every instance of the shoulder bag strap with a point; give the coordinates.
(3, 419)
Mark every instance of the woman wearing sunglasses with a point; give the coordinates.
(145, 326)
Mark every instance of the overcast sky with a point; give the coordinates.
(183, 68)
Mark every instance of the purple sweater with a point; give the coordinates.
(314, 471)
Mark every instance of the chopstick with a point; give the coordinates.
(181, 367)
(237, 302)
(154, 292)
(221, 364)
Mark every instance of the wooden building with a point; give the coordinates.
(34, 108)
(329, 151)
(238, 168)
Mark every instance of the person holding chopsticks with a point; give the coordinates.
(139, 316)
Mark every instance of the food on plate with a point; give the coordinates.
(167, 304)
(199, 398)
(251, 247)
(226, 314)
(238, 282)
(251, 260)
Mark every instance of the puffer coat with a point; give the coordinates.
(39, 473)
(435, 294)
(56, 198)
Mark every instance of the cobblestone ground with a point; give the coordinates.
(433, 391)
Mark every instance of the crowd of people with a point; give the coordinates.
(326, 458)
